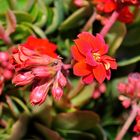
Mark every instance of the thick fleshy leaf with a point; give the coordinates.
(74, 120)
(116, 36)
(81, 69)
(47, 133)
(75, 134)
(76, 54)
(99, 73)
(74, 18)
(11, 22)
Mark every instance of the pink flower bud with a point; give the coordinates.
(62, 80)
(102, 88)
(78, 3)
(126, 103)
(130, 89)
(42, 71)
(134, 77)
(23, 79)
(4, 56)
(7, 74)
(122, 87)
(57, 92)
(96, 94)
(39, 93)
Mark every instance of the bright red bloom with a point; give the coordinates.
(126, 15)
(91, 61)
(105, 6)
(42, 46)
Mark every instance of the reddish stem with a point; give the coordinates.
(128, 122)
(90, 21)
(109, 23)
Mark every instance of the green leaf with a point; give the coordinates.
(20, 127)
(47, 133)
(11, 22)
(129, 61)
(74, 18)
(83, 96)
(99, 133)
(74, 120)
(23, 17)
(116, 36)
(57, 17)
(36, 29)
(77, 135)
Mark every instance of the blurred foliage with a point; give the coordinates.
(68, 119)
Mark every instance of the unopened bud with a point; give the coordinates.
(57, 92)
(23, 79)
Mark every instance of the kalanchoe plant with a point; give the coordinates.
(65, 62)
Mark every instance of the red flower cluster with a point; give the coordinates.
(91, 62)
(6, 69)
(136, 138)
(108, 6)
(130, 91)
(37, 63)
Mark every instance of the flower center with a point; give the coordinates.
(96, 56)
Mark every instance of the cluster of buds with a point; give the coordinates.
(6, 69)
(99, 90)
(37, 64)
(130, 91)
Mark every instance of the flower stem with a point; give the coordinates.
(109, 23)
(77, 89)
(128, 122)
(90, 21)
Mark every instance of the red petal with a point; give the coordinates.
(108, 74)
(88, 37)
(76, 54)
(43, 46)
(81, 69)
(110, 60)
(83, 46)
(88, 79)
(103, 48)
(90, 60)
(99, 73)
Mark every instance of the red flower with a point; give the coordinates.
(105, 6)
(126, 15)
(91, 61)
(42, 46)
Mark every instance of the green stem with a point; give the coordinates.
(90, 21)
(80, 86)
